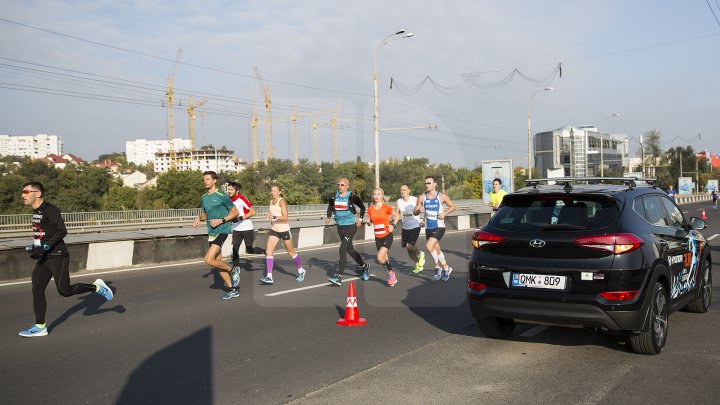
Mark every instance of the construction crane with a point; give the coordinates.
(254, 124)
(333, 126)
(265, 90)
(191, 118)
(170, 104)
(293, 119)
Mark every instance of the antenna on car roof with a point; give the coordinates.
(568, 187)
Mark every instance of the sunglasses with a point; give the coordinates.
(428, 184)
(29, 191)
(341, 185)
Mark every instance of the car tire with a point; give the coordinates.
(496, 328)
(701, 304)
(652, 340)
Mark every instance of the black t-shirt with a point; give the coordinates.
(49, 229)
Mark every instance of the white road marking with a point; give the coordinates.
(100, 273)
(713, 237)
(309, 287)
(534, 331)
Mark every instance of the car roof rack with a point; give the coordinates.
(630, 182)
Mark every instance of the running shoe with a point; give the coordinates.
(437, 275)
(235, 276)
(234, 293)
(392, 280)
(103, 289)
(267, 280)
(336, 279)
(34, 331)
(446, 273)
(301, 275)
(366, 272)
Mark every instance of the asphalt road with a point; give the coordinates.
(167, 337)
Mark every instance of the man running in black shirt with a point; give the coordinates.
(51, 255)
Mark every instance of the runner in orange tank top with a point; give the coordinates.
(383, 220)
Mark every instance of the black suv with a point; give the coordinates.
(611, 257)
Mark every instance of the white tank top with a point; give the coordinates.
(409, 220)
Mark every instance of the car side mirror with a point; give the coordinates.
(697, 223)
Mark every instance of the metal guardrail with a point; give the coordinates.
(100, 221)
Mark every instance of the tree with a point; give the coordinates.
(181, 189)
(473, 180)
(82, 188)
(120, 198)
(11, 194)
(149, 198)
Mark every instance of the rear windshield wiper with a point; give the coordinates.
(560, 227)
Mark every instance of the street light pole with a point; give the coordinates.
(529, 130)
(602, 144)
(399, 34)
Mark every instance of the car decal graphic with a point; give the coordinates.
(686, 279)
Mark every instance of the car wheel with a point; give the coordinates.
(652, 340)
(701, 304)
(496, 328)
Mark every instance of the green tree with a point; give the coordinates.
(11, 194)
(519, 177)
(473, 180)
(82, 188)
(120, 198)
(149, 198)
(181, 189)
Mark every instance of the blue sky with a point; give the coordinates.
(654, 62)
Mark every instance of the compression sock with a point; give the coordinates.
(435, 257)
(298, 262)
(441, 258)
(269, 261)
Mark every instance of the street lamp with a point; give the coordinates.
(602, 145)
(396, 35)
(529, 131)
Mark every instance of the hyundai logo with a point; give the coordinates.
(537, 243)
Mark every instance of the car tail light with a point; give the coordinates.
(619, 295)
(474, 285)
(616, 243)
(482, 238)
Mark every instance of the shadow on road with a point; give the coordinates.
(89, 305)
(178, 374)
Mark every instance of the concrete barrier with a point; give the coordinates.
(112, 250)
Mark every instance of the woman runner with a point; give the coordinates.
(383, 220)
(278, 215)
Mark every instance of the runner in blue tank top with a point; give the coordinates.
(433, 203)
(342, 207)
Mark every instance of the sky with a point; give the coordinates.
(95, 72)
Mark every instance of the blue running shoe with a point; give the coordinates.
(103, 289)
(366, 272)
(336, 279)
(234, 293)
(267, 280)
(301, 275)
(235, 276)
(34, 331)
(438, 274)
(446, 274)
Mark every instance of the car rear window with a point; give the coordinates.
(559, 212)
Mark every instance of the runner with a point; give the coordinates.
(218, 211)
(496, 195)
(432, 203)
(242, 226)
(342, 206)
(383, 221)
(280, 229)
(52, 258)
(404, 207)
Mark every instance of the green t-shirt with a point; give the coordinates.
(216, 206)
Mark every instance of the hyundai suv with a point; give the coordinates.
(616, 258)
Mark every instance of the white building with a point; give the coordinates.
(142, 151)
(34, 146)
(217, 160)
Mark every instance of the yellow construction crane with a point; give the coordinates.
(191, 118)
(268, 120)
(170, 104)
(254, 124)
(333, 126)
(293, 119)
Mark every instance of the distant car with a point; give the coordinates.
(612, 257)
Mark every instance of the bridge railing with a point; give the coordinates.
(100, 221)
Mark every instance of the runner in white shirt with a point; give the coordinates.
(243, 229)
(404, 207)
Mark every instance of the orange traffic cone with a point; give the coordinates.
(352, 315)
(703, 216)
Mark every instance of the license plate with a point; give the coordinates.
(538, 281)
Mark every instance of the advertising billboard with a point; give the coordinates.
(685, 185)
(712, 185)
